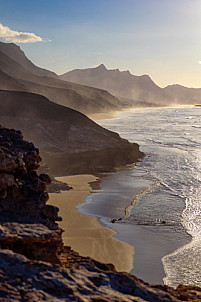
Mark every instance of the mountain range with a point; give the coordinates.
(49, 110)
(132, 89)
(37, 102)
(20, 74)
(92, 90)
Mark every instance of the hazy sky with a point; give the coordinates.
(161, 38)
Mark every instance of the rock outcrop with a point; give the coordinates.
(22, 191)
(34, 264)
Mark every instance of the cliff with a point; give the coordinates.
(34, 264)
(70, 143)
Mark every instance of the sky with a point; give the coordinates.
(161, 38)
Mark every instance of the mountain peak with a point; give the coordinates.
(101, 67)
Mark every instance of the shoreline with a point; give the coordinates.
(114, 114)
(137, 249)
(85, 233)
(152, 242)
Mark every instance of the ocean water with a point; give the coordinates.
(161, 194)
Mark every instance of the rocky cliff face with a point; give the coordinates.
(20, 185)
(34, 264)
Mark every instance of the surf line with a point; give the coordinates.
(135, 201)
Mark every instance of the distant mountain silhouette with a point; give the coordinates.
(92, 90)
(69, 141)
(183, 95)
(132, 89)
(82, 98)
(121, 83)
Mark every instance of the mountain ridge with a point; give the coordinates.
(92, 90)
(82, 98)
(70, 142)
(139, 90)
(15, 52)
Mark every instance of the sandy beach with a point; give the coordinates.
(84, 233)
(133, 248)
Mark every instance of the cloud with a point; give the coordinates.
(199, 62)
(10, 35)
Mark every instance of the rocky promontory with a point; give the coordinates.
(34, 263)
(70, 142)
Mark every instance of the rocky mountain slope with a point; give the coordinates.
(34, 264)
(9, 83)
(20, 74)
(133, 90)
(69, 141)
(91, 90)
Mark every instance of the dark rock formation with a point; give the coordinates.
(34, 264)
(35, 241)
(22, 191)
(27, 224)
(57, 186)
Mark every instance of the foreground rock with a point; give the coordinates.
(25, 280)
(34, 264)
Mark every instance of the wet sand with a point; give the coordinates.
(152, 242)
(108, 242)
(84, 233)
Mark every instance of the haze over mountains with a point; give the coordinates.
(69, 141)
(92, 90)
(31, 99)
(18, 73)
(13, 51)
(135, 90)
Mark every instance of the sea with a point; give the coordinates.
(155, 204)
